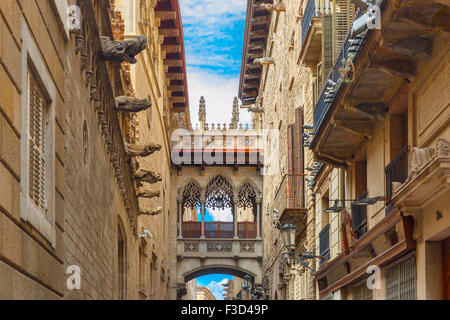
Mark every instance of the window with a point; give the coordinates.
(324, 242)
(362, 292)
(129, 16)
(401, 280)
(122, 264)
(37, 202)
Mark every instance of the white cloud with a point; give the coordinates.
(216, 288)
(219, 91)
(221, 215)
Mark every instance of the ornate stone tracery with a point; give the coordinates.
(219, 193)
(191, 195)
(247, 196)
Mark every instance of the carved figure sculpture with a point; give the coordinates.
(153, 212)
(149, 194)
(130, 104)
(125, 50)
(442, 148)
(257, 108)
(264, 61)
(135, 150)
(147, 176)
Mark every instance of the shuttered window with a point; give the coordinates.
(327, 44)
(38, 120)
(320, 77)
(344, 11)
(401, 280)
(362, 292)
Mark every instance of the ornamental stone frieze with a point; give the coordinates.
(131, 104)
(147, 176)
(122, 51)
(135, 150)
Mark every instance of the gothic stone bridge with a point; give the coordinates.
(223, 189)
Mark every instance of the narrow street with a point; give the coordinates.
(238, 150)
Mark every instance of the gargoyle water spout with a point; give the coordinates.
(147, 176)
(130, 104)
(123, 51)
(135, 150)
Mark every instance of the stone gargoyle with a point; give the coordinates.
(264, 61)
(257, 107)
(136, 150)
(147, 176)
(123, 51)
(278, 7)
(130, 104)
(153, 212)
(149, 194)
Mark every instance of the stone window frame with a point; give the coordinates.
(31, 61)
(62, 12)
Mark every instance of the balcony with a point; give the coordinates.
(396, 171)
(289, 199)
(191, 229)
(247, 230)
(324, 243)
(311, 51)
(365, 74)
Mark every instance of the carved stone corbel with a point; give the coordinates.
(264, 61)
(135, 150)
(442, 148)
(278, 7)
(121, 51)
(130, 104)
(147, 176)
(419, 156)
(148, 194)
(153, 212)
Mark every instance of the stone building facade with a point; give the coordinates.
(74, 207)
(374, 160)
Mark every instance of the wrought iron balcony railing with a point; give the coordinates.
(396, 171)
(310, 13)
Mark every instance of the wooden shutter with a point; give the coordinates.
(319, 79)
(298, 158)
(344, 11)
(38, 106)
(327, 44)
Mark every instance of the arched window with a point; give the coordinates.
(219, 194)
(247, 196)
(191, 195)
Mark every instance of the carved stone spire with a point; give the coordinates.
(202, 113)
(235, 113)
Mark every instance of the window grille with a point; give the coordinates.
(362, 292)
(38, 121)
(401, 280)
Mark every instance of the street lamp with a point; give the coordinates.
(247, 283)
(288, 232)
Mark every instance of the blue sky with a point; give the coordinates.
(214, 36)
(215, 283)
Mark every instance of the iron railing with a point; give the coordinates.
(324, 243)
(247, 230)
(359, 217)
(310, 13)
(290, 194)
(396, 171)
(219, 229)
(191, 229)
